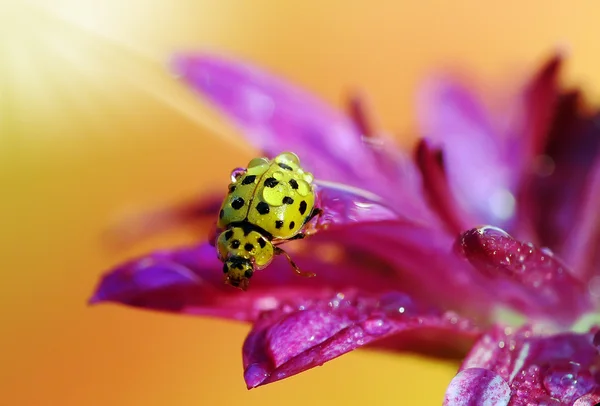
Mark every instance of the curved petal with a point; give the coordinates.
(374, 256)
(540, 284)
(437, 189)
(189, 280)
(303, 334)
(473, 149)
(477, 386)
(535, 111)
(276, 116)
(540, 369)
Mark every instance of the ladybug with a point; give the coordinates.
(268, 203)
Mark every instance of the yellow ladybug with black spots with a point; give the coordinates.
(269, 202)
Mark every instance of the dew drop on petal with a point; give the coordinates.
(566, 383)
(396, 302)
(376, 327)
(591, 399)
(236, 173)
(477, 386)
(254, 375)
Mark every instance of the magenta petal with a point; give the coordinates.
(535, 116)
(535, 276)
(189, 280)
(477, 386)
(540, 369)
(304, 334)
(437, 189)
(474, 153)
(582, 246)
(276, 117)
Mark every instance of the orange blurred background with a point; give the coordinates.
(93, 129)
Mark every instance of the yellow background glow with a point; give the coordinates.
(93, 128)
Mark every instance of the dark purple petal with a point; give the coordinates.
(276, 117)
(477, 386)
(540, 369)
(474, 154)
(584, 239)
(534, 116)
(436, 188)
(303, 334)
(564, 191)
(539, 283)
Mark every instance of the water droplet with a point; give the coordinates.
(376, 327)
(396, 302)
(567, 383)
(590, 399)
(236, 173)
(254, 375)
(477, 386)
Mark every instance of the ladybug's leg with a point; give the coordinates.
(279, 251)
(311, 226)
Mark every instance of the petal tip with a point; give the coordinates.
(255, 375)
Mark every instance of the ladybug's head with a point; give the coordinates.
(238, 271)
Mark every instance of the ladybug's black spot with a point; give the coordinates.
(284, 166)
(278, 224)
(287, 200)
(231, 188)
(303, 207)
(271, 182)
(261, 241)
(293, 184)
(263, 208)
(237, 203)
(225, 268)
(249, 179)
(221, 214)
(248, 274)
(235, 244)
(248, 247)
(292, 224)
(228, 234)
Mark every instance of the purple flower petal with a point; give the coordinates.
(435, 185)
(477, 386)
(276, 116)
(189, 280)
(529, 136)
(478, 172)
(304, 334)
(540, 283)
(540, 369)
(375, 256)
(581, 246)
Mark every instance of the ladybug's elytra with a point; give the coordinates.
(268, 203)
